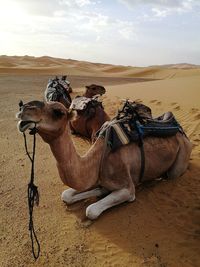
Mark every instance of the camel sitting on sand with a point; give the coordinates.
(120, 173)
(89, 120)
(90, 116)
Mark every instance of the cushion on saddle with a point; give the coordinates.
(82, 103)
(125, 129)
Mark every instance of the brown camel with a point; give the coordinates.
(120, 173)
(88, 120)
(94, 89)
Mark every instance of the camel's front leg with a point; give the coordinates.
(71, 196)
(113, 199)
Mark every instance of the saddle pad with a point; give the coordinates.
(125, 131)
(81, 102)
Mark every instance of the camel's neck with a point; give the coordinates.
(80, 173)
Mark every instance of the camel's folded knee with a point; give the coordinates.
(92, 212)
(67, 195)
(114, 198)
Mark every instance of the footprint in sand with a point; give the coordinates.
(173, 103)
(194, 110)
(158, 103)
(138, 100)
(196, 140)
(177, 108)
(197, 117)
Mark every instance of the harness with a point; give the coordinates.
(129, 126)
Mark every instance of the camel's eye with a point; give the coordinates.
(58, 113)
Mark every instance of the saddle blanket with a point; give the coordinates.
(123, 131)
(82, 102)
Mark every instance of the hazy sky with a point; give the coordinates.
(127, 32)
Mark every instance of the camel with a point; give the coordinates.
(118, 178)
(89, 120)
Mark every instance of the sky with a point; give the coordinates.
(123, 32)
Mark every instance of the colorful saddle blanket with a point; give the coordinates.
(128, 127)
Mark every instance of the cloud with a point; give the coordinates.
(67, 22)
(94, 30)
(160, 12)
(158, 9)
(169, 4)
(51, 8)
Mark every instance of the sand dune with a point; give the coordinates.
(50, 65)
(161, 228)
(183, 90)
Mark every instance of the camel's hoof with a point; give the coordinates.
(92, 212)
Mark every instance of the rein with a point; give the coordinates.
(33, 196)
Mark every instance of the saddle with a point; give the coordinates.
(128, 126)
(82, 103)
(57, 88)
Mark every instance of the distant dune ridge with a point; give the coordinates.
(50, 65)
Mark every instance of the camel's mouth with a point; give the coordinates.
(24, 125)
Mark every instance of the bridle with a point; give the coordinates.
(32, 191)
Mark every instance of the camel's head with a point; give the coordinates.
(94, 89)
(50, 119)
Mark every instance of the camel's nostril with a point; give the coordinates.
(21, 103)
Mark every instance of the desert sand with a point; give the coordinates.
(161, 228)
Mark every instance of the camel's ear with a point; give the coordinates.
(71, 114)
(64, 77)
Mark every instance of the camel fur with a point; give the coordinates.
(94, 89)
